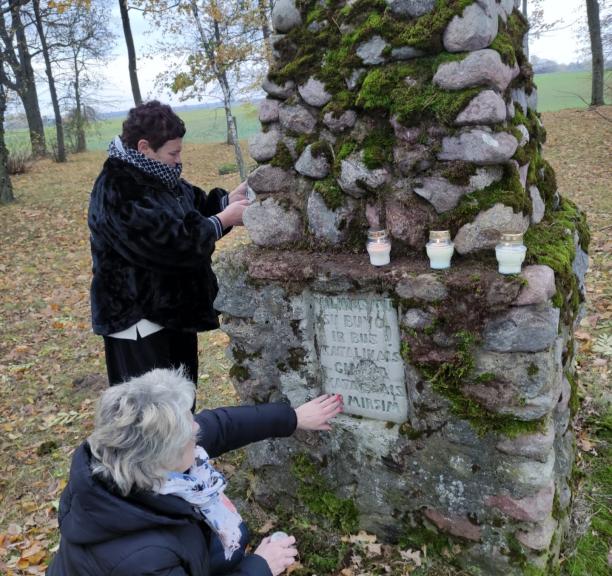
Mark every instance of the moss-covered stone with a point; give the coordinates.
(405, 90)
(449, 377)
(378, 148)
(239, 372)
(282, 158)
(551, 242)
(330, 192)
(459, 173)
(532, 369)
(508, 191)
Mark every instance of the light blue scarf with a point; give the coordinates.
(203, 487)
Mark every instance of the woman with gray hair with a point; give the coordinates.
(143, 497)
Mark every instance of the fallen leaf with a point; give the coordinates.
(411, 556)
(582, 335)
(361, 538)
(267, 527)
(295, 566)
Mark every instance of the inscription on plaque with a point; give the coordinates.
(358, 345)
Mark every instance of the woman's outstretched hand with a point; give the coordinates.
(279, 554)
(316, 414)
(238, 193)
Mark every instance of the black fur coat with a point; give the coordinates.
(151, 249)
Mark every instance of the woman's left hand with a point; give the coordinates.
(315, 415)
(238, 193)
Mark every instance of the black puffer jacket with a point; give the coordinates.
(104, 534)
(151, 249)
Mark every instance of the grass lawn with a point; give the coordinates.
(51, 365)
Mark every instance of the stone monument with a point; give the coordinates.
(458, 386)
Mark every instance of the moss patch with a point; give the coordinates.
(282, 158)
(448, 379)
(330, 192)
(508, 191)
(551, 242)
(239, 372)
(458, 173)
(316, 495)
(406, 91)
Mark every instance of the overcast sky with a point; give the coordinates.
(561, 45)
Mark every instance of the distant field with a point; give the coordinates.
(556, 91)
(561, 90)
(203, 126)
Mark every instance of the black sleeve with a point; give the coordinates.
(216, 201)
(212, 203)
(225, 429)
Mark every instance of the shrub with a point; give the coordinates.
(19, 161)
(230, 168)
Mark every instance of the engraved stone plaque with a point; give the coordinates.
(358, 345)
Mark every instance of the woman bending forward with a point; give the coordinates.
(143, 498)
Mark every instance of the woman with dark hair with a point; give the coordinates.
(152, 238)
(144, 498)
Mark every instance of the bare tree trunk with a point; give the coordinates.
(6, 188)
(129, 41)
(231, 124)
(597, 87)
(232, 130)
(59, 126)
(526, 37)
(228, 136)
(28, 93)
(207, 45)
(81, 143)
(264, 14)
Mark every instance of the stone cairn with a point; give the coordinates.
(411, 115)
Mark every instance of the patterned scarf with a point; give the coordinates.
(203, 487)
(167, 174)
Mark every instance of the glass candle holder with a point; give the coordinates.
(379, 247)
(510, 253)
(439, 249)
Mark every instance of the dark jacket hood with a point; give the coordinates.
(92, 511)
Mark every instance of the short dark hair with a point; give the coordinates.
(154, 122)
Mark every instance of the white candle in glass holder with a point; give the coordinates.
(510, 253)
(379, 247)
(439, 249)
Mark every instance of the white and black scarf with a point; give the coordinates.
(203, 487)
(169, 175)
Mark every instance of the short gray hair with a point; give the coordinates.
(141, 429)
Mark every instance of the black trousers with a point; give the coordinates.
(164, 349)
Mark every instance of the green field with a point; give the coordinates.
(556, 91)
(205, 125)
(561, 90)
